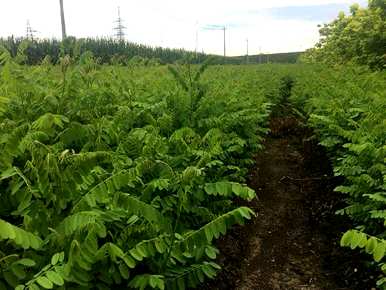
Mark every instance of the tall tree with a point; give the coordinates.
(358, 38)
(64, 35)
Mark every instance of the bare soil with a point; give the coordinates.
(293, 243)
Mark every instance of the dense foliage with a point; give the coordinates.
(358, 38)
(285, 57)
(347, 108)
(123, 177)
(110, 51)
(106, 51)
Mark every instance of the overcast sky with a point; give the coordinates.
(270, 25)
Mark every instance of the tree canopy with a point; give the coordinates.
(359, 38)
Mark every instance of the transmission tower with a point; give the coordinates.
(119, 28)
(29, 31)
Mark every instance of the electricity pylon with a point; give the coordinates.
(120, 28)
(29, 31)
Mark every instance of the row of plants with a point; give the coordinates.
(123, 177)
(347, 109)
(105, 50)
(114, 52)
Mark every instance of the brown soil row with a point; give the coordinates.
(293, 243)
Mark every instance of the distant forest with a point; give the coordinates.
(287, 57)
(110, 51)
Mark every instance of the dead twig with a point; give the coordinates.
(306, 179)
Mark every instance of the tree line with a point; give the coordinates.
(106, 51)
(111, 51)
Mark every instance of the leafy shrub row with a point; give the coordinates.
(120, 177)
(347, 108)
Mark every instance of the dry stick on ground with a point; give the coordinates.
(306, 179)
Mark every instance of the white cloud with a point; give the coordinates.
(171, 23)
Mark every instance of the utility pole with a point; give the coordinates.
(30, 32)
(224, 42)
(120, 28)
(259, 54)
(196, 48)
(218, 27)
(247, 58)
(64, 35)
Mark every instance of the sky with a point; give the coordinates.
(269, 25)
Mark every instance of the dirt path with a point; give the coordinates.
(293, 243)
(289, 248)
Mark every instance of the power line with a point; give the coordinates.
(120, 28)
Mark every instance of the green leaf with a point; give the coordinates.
(26, 262)
(19, 236)
(135, 206)
(346, 239)
(6, 231)
(44, 282)
(124, 271)
(246, 212)
(8, 173)
(363, 241)
(379, 251)
(33, 286)
(181, 284)
(160, 245)
(209, 271)
(55, 278)
(129, 261)
(210, 252)
(215, 228)
(356, 239)
(18, 271)
(136, 255)
(226, 188)
(371, 245)
(55, 259)
(154, 281)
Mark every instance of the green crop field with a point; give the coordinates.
(134, 170)
(132, 174)
(127, 170)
